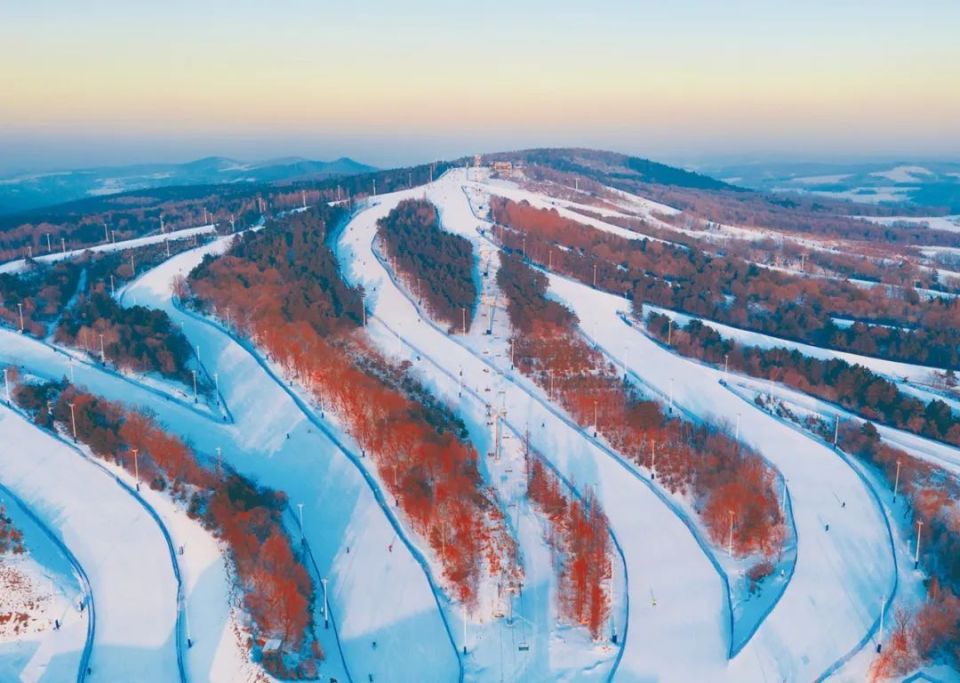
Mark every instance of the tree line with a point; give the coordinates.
(854, 387)
(434, 264)
(576, 532)
(282, 288)
(893, 324)
(718, 472)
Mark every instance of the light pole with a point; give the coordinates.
(896, 482)
(595, 421)
(103, 355)
(73, 422)
(916, 556)
(326, 604)
(726, 363)
(216, 384)
(71, 371)
(671, 394)
(653, 459)
(300, 510)
(194, 373)
(136, 466)
(20, 306)
(836, 431)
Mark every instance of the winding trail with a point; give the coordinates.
(81, 574)
(276, 439)
(116, 541)
(350, 547)
(843, 571)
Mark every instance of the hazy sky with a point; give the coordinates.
(117, 81)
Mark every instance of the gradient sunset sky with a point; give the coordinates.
(119, 81)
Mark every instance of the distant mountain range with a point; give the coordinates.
(30, 191)
(933, 184)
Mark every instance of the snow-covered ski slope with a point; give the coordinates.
(843, 571)
(17, 264)
(390, 620)
(115, 540)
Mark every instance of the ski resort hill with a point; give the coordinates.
(424, 424)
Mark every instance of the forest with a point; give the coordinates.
(43, 292)
(890, 323)
(282, 288)
(718, 472)
(437, 266)
(277, 591)
(577, 535)
(134, 338)
(854, 387)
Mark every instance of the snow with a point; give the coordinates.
(894, 370)
(903, 174)
(676, 621)
(867, 195)
(17, 265)
(389, 619)
(947, 223)
(351, 544)
(908, 591)
(850, 567)
(821, 179)
(46, 589)
(115, 540)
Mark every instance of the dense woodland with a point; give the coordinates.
(43, 292)
(437, 266)
(136, 338)
(72, 300)
(577, 535)
(735, 291)
(277, 591)
(281, 287)
(852, 386)
(719, 473)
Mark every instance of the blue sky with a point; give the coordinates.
(389, 82)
